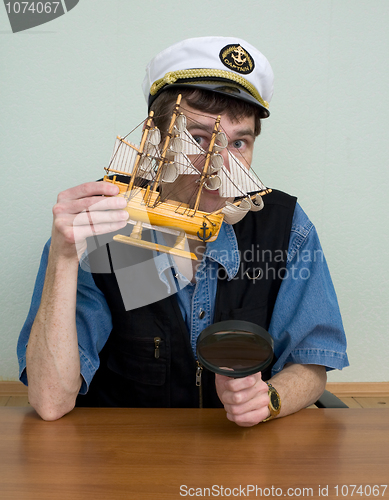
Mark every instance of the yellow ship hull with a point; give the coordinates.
(199, 225)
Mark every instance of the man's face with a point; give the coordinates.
(240, 136)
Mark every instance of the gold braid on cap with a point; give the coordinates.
(173, 76)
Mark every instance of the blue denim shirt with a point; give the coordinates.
(306, 323)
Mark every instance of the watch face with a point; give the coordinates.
(274, 400)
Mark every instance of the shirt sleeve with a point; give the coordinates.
(93, 320)
(306, 323)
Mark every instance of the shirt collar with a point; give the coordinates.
(224, 250)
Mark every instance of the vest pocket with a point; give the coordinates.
(139, 362)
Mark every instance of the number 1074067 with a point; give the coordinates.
(367, 490)
(32, 7)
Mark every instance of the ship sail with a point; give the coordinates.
(233, 182)
(123, 157)
(125, 153)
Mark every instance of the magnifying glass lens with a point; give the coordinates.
(235, 348)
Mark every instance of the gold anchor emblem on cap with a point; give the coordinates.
(238, 59)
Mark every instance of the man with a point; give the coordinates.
(85, 347)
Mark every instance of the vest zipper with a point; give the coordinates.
(157, 341)
(199, 371)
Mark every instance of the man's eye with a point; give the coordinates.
(198, 139)
(238, 144)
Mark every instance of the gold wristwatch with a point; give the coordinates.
(275, 402)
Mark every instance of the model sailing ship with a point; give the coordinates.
(158, 162)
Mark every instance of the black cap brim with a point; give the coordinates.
(223, 87)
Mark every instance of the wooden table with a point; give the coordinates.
(161, 453)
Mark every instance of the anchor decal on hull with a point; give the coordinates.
(204, 236)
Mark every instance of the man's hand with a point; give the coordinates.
(83, 211)
(245, 399)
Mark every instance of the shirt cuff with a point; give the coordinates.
(22, 370)
(87, 373)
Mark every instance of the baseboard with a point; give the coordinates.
(8, 388)
(361, 389)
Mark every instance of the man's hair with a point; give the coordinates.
(206, 102)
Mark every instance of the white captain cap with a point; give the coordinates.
(225, 65)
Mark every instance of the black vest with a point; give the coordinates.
(135, 371)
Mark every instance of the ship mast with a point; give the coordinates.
(169, 136)
(140, 150)
(204, 174)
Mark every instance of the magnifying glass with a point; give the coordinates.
(235, 348)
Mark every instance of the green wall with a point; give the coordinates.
(69, 86)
